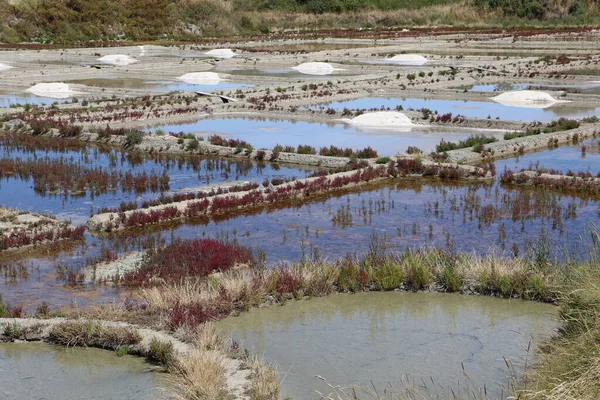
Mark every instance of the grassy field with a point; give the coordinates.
(65, 21)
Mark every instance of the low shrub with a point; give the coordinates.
(186, 258)
(133, 138)
(413, 150)
(305, 149)
(471, 141)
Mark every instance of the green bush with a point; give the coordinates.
(133, 138)
(471, 141)
(528, 132)
(563, 124)
(591, 120)
(305, 149)
(192, 144)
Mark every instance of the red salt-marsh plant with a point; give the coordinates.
(62, 175)
(23, 238)
(188, 258)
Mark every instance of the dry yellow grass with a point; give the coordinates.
(265, 384)
(200, 375)
(569, 366)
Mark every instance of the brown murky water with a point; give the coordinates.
(382, 337)
(43, 371)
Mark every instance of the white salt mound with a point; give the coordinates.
(315, 68)
(526, 98)
(118, 59)
(201, 78)
(4, 67)
(381, 119)
(55, 90)
(408, 59)
(220, 53)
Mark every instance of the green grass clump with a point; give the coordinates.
(451, 278)
(161, 353)
(418, 274)
(383, 160)
(568, 366)
(3, 309)
(388, 275)
(93, 334)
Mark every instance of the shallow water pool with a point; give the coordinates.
(564, 159)
(268, 133)
(185, 173)
(43, 371)
(8, 99)
(159, 86)
(472, 109)
(378, 338)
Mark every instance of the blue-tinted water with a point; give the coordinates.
(473, 109)
(27, 98)
(268, 133)
(406, 214)
(563, 159)
(183, 173)
(501, 87)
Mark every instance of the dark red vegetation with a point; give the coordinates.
(23, 238)
(188, 258)
(574, 182)
(62, 175)
(219, 141)
(409, 166)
